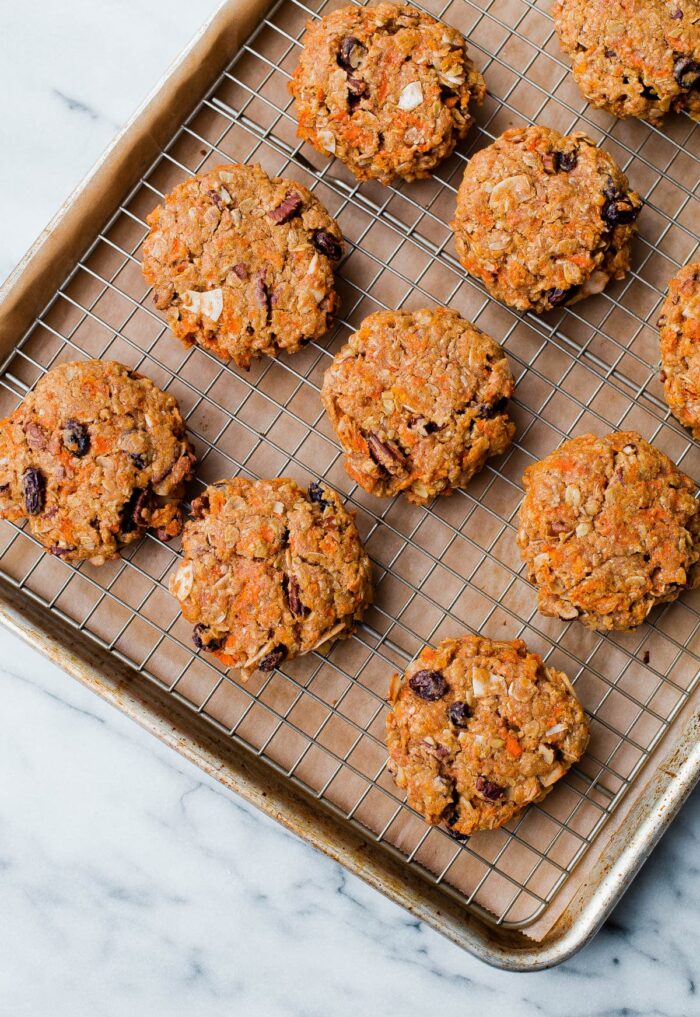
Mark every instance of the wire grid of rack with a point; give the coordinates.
(453, 565)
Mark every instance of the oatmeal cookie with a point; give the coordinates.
(94, 456)
(609, 528)
(680, 347)
(418, 401)
(242, 263)
(634, 58)
(544, 219)
(386, 89)
(270, 571)
(479, 729)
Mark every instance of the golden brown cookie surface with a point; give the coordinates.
(418, 401)
(270, 571)
(544, 219)
(634, 58)
(386, 89)
(479, 729)
(242, 263)
(609, 528)
(679, 326)
(94, 456)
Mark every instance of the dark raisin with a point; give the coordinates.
(490, 410)
(287, 209)
(556, 297)
(459, 713)
(316, 494)
(677, 16)
(650, 93)
(619, 209)
(138, 460)
(455, 835)
(386, 454)
(274, 658)
(351, 50)
(34, 488)
(567, 161)
(488, 789)
(295, 603)
(686, 71)
(204, 639)
(429, 685)
(76, 438)
(241, 271)
(136, 511)
(610, 53)
(216, 198)
(325, 243)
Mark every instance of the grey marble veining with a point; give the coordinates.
(131, 884)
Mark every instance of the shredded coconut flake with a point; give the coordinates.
(209, 304)
(411, 96)
(327, 139)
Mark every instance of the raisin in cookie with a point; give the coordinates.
(634, 58)
(94, 456)
(242, 263)
(609, 528)
(544, 219)
(680, 347)
(418, 401)
(386, 89)
(479, 729)
(270, 571)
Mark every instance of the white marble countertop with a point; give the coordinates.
(131, 884)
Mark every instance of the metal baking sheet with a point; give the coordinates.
(318, 722)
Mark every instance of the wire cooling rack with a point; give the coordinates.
(441, 569)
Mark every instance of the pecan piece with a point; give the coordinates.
(35, 435)
(295, 604)
(287, 209)
(386, 454)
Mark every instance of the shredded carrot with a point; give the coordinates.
(513, 746)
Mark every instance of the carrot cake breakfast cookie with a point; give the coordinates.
(242, 263)
(634, 58)
(94, 456)
(680, 347)
(386, 89)
(609, 528)
(270, 571)
(544, 219)
(418, 400)
(479, 729)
